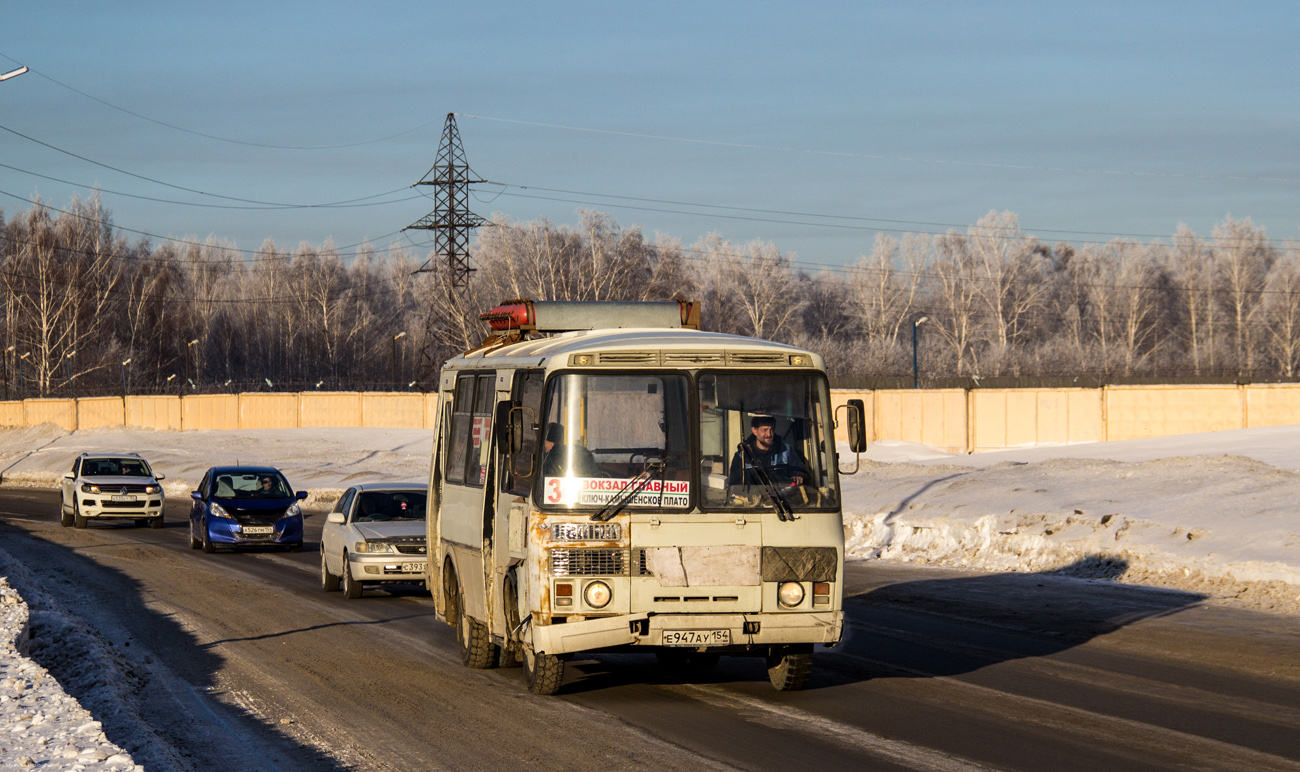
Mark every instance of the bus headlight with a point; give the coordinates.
(790, 594)
(597, 594)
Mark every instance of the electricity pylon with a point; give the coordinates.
(451, 222)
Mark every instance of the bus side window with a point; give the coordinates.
(461, 423)
(480, 437)
(529, 386)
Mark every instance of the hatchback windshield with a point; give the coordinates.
(765, 435)
(382, 506)
(607, 438)
(249, 485)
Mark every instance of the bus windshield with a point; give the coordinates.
(606, 437)
(764, 435)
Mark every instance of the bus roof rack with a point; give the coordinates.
(551, 316)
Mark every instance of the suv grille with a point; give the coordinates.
(411, 549)
(598, 562)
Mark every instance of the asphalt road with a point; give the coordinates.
(247, 664)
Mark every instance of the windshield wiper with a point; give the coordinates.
(783, 510)
(633, 487)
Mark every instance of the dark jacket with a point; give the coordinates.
(780, 455)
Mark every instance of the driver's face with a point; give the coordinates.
(266, 483)
(763, 435)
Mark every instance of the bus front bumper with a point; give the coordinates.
(745, 631)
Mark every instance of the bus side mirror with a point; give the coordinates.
(857, 428)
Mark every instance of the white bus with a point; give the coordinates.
(606, 477)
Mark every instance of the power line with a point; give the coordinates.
(888, 157)
(273, 204)
(256, 253)
(350, 204)
(216, 137)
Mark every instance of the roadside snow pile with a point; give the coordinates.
(40, 725)
(1226, 526)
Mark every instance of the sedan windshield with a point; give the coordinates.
(251, 485)
(615, 438)
(382, 506)
(763, 436)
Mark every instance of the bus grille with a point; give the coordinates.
(598, 562)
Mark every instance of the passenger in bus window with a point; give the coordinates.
(560, 460)
(781, 460)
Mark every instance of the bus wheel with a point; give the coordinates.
(789, 667)
(476, 648)
(543, 673)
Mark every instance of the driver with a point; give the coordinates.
(266, 488)
(557, 455)
(769, 451)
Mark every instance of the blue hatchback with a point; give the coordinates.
(245, 506)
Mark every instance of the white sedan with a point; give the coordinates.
(375, 535)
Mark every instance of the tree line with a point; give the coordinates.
(88, 311)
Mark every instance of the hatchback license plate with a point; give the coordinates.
(414, 567)
(259, 530)
(123, 498)
(697, 638)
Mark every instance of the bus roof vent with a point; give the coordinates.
(754, 358)
(571, 316)
(693, 358)
(628, 357)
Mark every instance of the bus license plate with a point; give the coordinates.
(259, 530)
(412, 568)
(697, 638)
(123, 498)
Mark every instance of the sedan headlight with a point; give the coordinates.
(219, 511)
(88, 488)
(293, 511)
(372, 547)
(790, 594)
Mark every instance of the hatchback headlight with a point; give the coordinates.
(597, 594)
(293, 511)
(219, 511)
(790, 594)
(372, 547)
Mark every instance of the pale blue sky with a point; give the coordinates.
(1097, 118)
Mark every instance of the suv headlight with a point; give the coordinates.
(293, 511)
(88, 488)
(219, 511)
(372, 547)
(153, 489)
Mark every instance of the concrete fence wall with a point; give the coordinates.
(956, 420)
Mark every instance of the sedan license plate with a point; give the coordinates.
(123, 498)
(697, 638)
(414, 567)
(258, 530)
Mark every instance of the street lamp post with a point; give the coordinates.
(8, 351)
(20, 371)
(188, 346)
(67, 367)
(125, 362)
(13, 73)
(393, 361)
(916, 380)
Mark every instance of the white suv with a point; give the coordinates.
(112, 485)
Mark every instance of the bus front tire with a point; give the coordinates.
(789, 667)
(543, 673)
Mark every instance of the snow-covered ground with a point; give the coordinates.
(1211, 513)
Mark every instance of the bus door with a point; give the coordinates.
(466, 472)
(522, 416)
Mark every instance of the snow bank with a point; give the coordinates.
(40, 725)
(1173, 512)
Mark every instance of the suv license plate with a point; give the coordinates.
(259, 530)
(696, 638)
(123, 498)
(414, 567)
